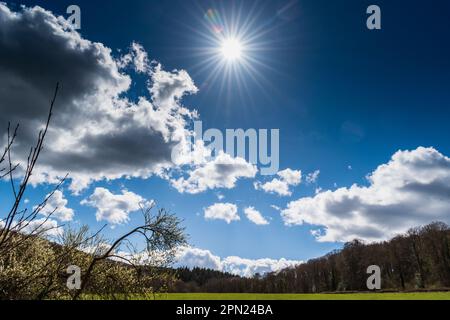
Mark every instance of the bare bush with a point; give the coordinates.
(32, 266)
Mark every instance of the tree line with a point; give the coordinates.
(416, 260)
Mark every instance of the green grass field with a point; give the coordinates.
(349, 296)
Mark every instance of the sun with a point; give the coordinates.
(231, 49)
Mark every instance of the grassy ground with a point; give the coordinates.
(349, 296)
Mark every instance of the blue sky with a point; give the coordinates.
(344, 98)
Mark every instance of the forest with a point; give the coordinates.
(417, 260)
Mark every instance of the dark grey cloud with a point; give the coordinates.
(439, 189)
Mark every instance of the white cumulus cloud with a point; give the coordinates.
(281, 186)
(57, 207)
(115, 208)
(221, 172)
(193, 257)
(137, 57)
(42, 227)
(222, 211)
(412, 189)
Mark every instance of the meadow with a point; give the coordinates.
(325, 296)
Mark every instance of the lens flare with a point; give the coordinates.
(212, 17)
